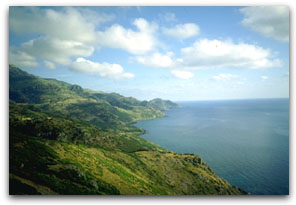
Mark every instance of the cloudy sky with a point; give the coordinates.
(177, 53)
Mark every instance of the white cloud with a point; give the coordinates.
(182, 74)
(215, 53)
(56, 50)
(264, 77)
(128, 75)
(95, 17)
(62, 33)
(223, 76)
(21, 59)
(67, 23)
(135, 42)
(205, 54)
(182, 31)
(270, 21)
(49, 64)
(157, 60)
(113, 71)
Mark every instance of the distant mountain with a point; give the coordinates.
(160, 104)
(99, 108)
(64, 139)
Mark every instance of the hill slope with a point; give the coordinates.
(68, 140)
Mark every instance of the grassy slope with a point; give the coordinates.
(68, 140)
(101, 109)
(49, 167)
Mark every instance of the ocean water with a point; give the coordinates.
(245, 142)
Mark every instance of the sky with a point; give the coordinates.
(176, 53)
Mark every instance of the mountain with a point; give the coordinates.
(107, 110)
(162, 105)
(64, 139)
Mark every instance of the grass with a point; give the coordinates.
(64, 139)
(68, 168)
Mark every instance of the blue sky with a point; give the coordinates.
(176, 53)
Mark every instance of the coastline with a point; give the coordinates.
(217, 137)
(76, 157)
(144, 131)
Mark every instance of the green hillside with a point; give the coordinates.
(64, 139)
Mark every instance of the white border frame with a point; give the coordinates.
(6, 199)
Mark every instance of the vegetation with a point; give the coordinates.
(64, 139)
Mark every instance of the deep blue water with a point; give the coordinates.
(245, 142)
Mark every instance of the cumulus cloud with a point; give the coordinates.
(58, 35)
(137, 41)
(157, 60)
(270, 21)
(215, 53)
(182, 31)
(95, 17)
(65, 24)
(56, 50)
(182, 74)
(62, 34)
(166, 61)
(264, 77)
(207, 54)
(21, 59)
(113, 71)
(223, 77)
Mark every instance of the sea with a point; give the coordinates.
(245, 142)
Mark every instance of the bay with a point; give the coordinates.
(245, 142)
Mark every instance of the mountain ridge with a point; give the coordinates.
(68, 140)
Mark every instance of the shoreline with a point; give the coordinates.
(144, 132)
